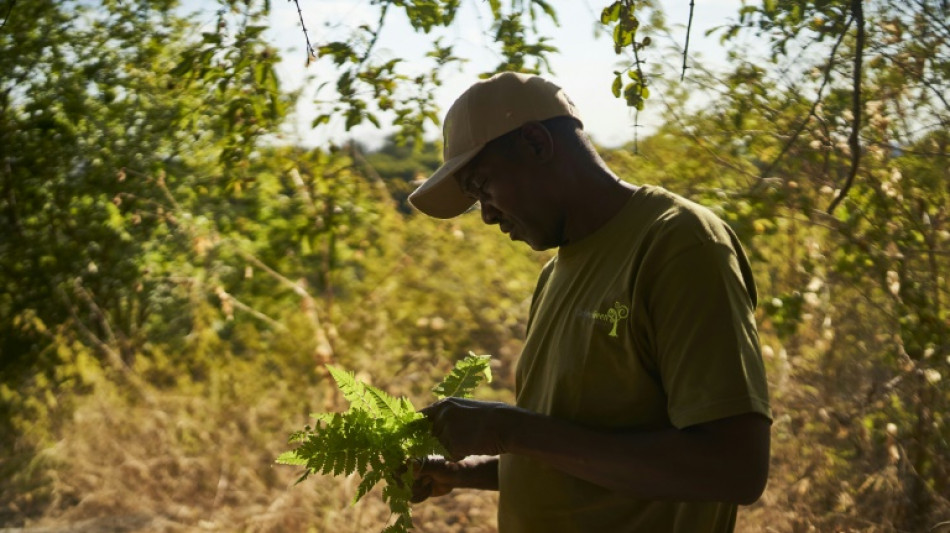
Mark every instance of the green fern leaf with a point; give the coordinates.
(349, 464)
(367, 483)
(377, 435)
(339, 463)
(387, 405)
(321, 417)
(298, 436)
(466, 375)
(353, 390)
(291, 458)
(315, 464)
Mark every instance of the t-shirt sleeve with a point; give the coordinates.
(706, 343)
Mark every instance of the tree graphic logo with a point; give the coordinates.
(614, 315)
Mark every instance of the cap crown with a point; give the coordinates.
(490, 108)
(487, 110)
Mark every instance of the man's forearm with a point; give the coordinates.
(722, 461)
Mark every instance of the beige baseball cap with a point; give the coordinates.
(488, 109)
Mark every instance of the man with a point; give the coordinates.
(641, 396)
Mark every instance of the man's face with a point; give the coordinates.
(513, 193)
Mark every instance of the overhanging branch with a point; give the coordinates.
(854, 141)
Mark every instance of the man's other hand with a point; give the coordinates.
(471, 427)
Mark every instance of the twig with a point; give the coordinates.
(310, 307)
(922, 79)
(379, 30)
(310, 52)
(636, 131)
(225, 296)
(854, 141)
(292, 285)
(113, 357)
(689, 28)
(369, 169)
(699, 142)
(924, 6)
(7, 16)
(814, 105)
(642, 81)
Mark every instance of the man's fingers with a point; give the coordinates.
(432, 407)
(427, 466)
(431, 464)
(421, 489)
(434, 411)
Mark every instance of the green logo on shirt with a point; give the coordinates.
(613, 315)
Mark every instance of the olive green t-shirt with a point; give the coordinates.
(645, 324)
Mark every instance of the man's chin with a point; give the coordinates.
(515, 235)
(538, 247)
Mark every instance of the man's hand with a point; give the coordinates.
(434, 476)
(471, 427)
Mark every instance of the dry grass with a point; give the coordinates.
(204, 461)
(186, 463)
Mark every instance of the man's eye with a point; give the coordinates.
(474, 189)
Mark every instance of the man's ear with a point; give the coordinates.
(538, 141)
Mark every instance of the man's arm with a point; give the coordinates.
(724, 460)
(436, 477)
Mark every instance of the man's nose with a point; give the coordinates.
(489, 213)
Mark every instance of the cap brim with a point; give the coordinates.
(440, 196)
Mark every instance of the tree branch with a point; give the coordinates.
(310, 52)
(854, 142)
(937, 91)
(814, 105)
(689, 28)
(227, 298)
(324, 342)
(112, 355)
(7, 16)
(372, 42)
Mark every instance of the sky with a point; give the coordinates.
(584, 65)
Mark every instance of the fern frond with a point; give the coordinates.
(339, 463)
(353, 389)
(291, 458)
(349, 464)
(368, 482)
(315, 464)
(388, 406)
(407, 407)
(397, 495)
(297, 436)
(322, 417)
(377, 436)
(466, 375)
